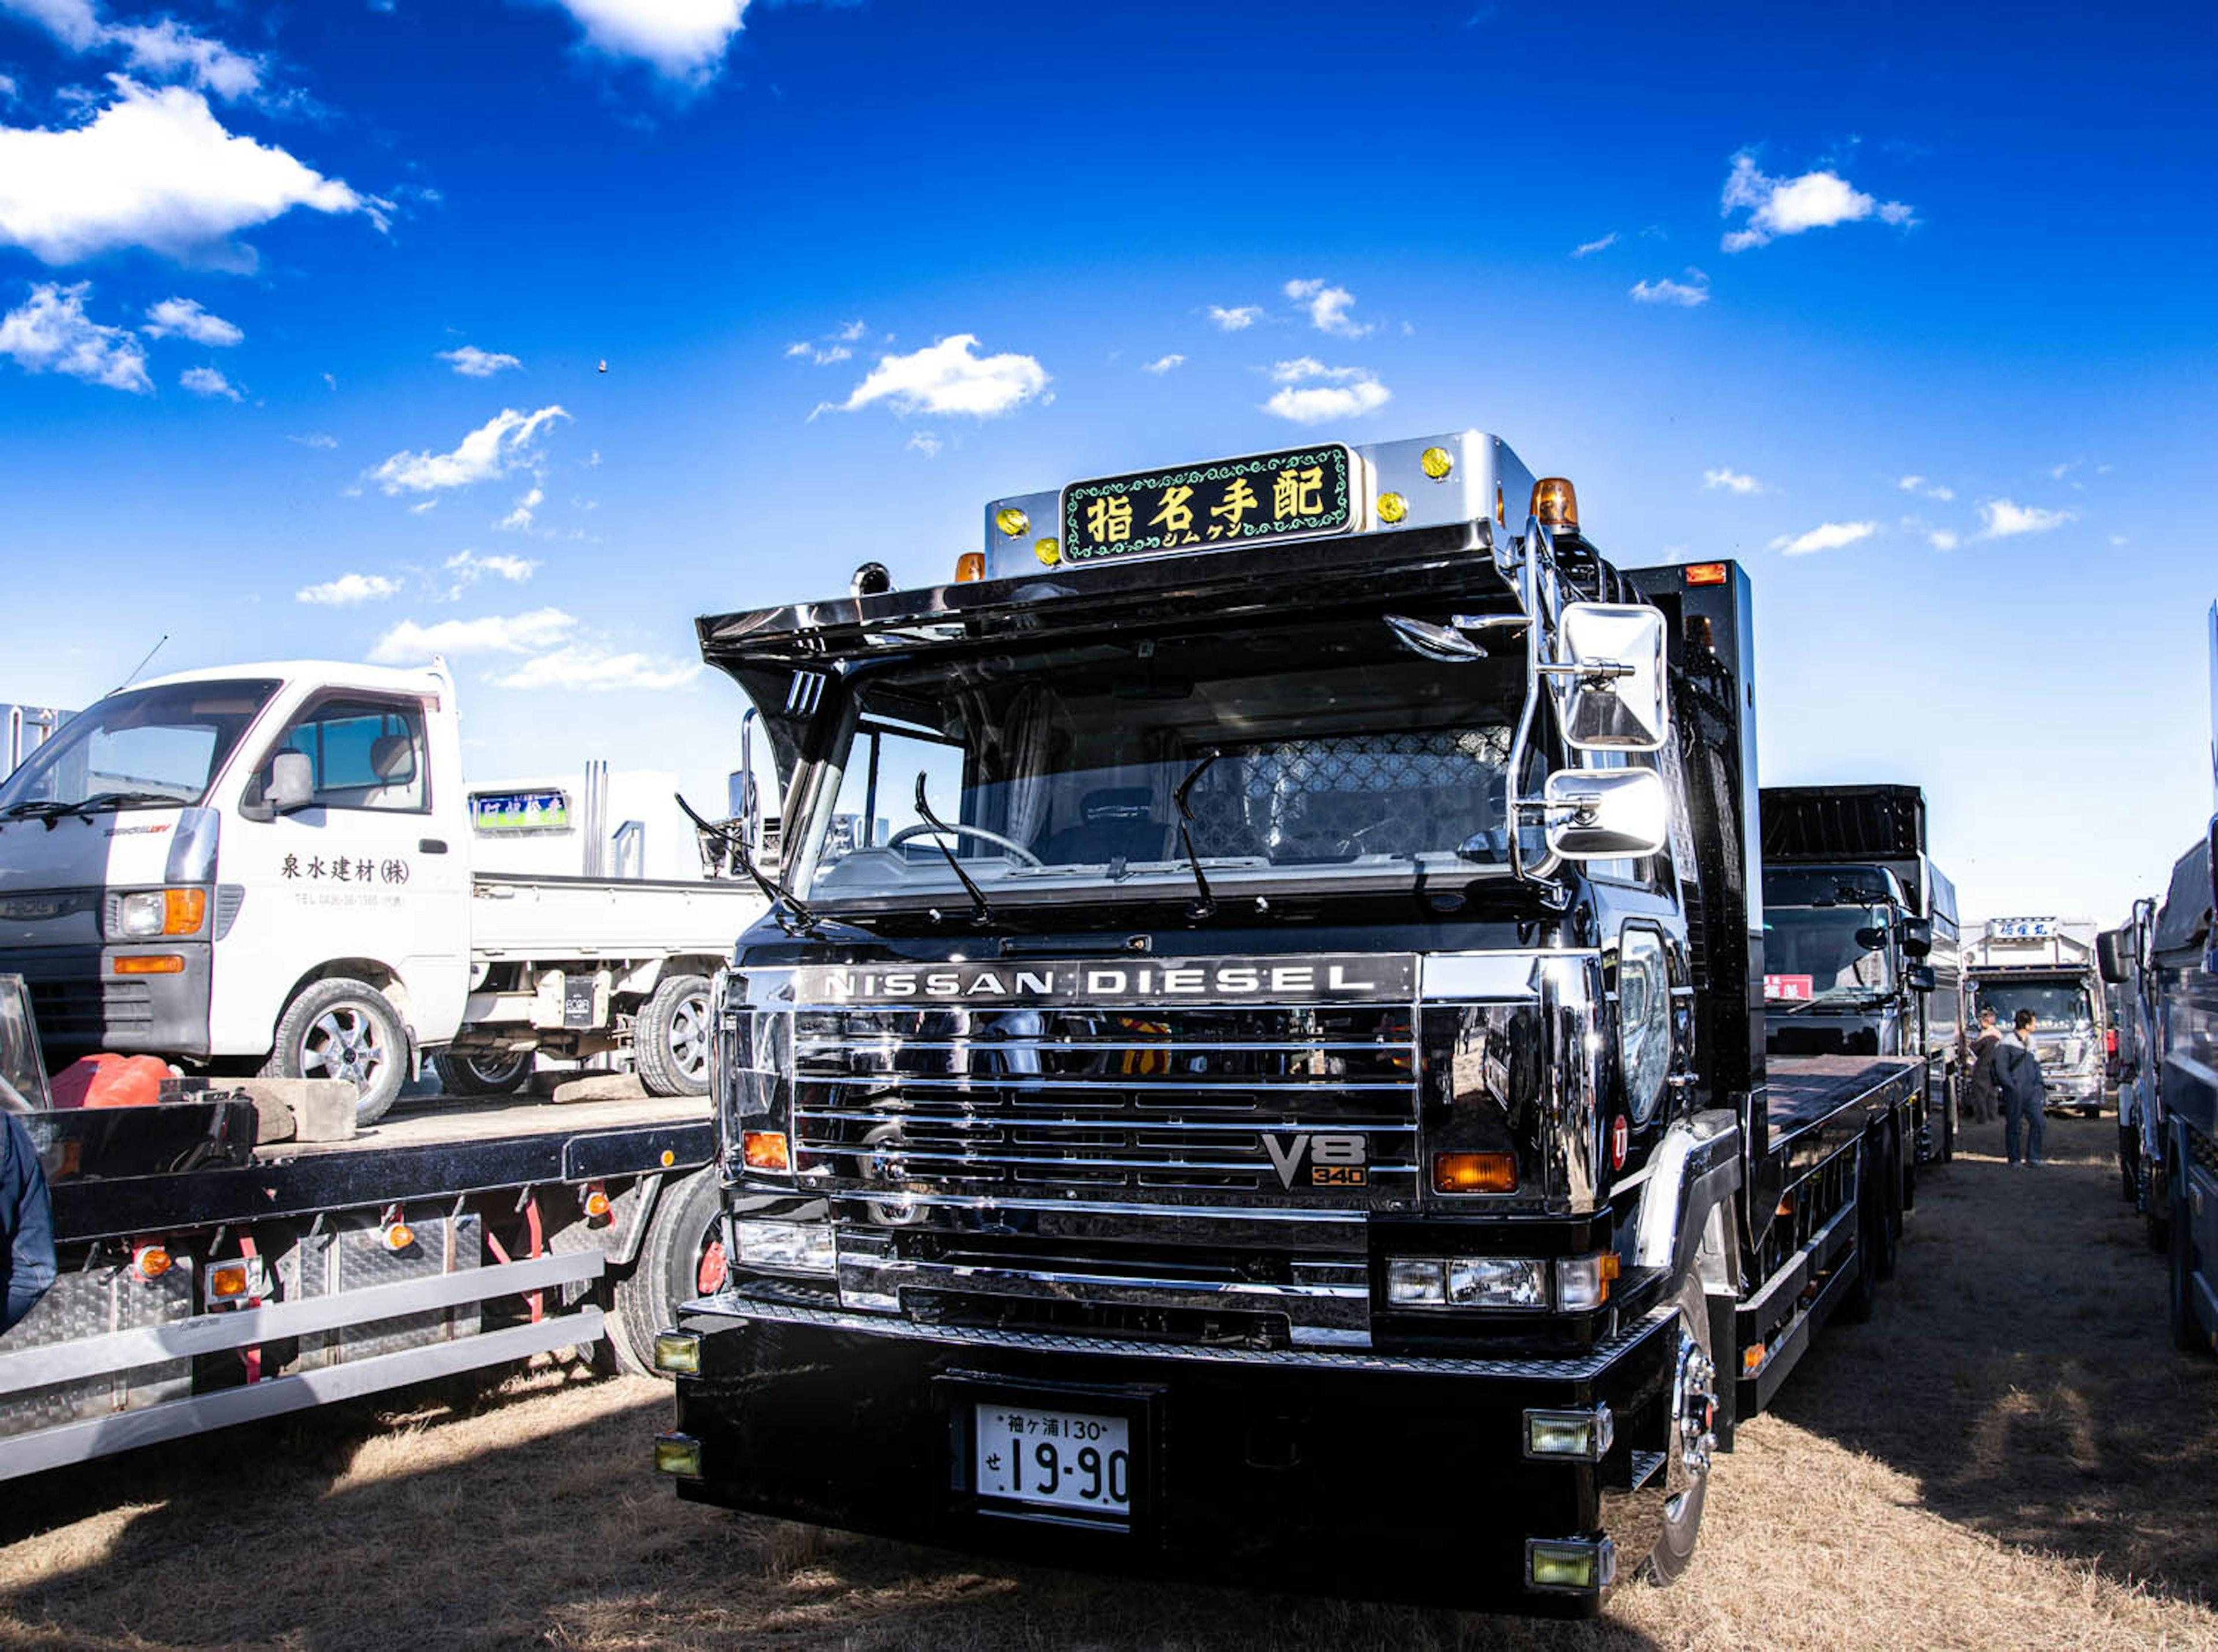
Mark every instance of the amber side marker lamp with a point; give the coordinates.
(168, 963)
(1474, 1173)
(765, 1150)
(1706, 573)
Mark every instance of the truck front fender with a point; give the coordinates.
(1696, 1169)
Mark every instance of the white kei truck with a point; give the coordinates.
(278, 868)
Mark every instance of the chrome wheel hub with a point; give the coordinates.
(1695, 1408)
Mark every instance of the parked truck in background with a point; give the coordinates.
(279, 866)
(214, 1270)
(1863, 956)
(2046, 965)
(2125, 958)
(23, 729)
(1267, 1003)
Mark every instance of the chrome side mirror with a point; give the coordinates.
(291, 783)
(1607, 678)
(1603, 813)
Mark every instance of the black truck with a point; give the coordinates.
(1861, 941)
(1263, 1016)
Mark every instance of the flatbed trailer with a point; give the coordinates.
(455, 1235)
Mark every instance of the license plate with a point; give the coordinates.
(1267, 495)
(1055, 1459)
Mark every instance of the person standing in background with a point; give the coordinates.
(2024, 1093)
(1979, 1091)
(27, 1223)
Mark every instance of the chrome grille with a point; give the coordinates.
(1131, 1100)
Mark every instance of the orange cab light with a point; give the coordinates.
(1751, 1358)
(969, 567)
(150, 1261)
(1706, 573)
(227, 1280)
(597, 1202)
(765, 1150)
(399, 1235)
(1474, 1173)
(1555, 503)
(166, 964)
(182, 911)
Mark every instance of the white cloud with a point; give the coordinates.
(684, 39)
(348, 589)
(1686, 294)
(1826, 537)
(833, 347)
(2057, 472)
(498, 445)
(2003, 519)
(1925, 489)
(1164, 364)
(950, 377)
(1586, 249)
(185, 317)
(1237, 319)
(315, 439)
(1732, 480)
(1328, 307)
(51, 333)
(154, 170)
(408, 643)
(207, 381)
(1943, 539)
(469, 567)
(1814, 201)
(165, 50)
(521, 517)
(1310, 393)
(2117, 539)
(474, 363)
(599, 670)
(926, 442)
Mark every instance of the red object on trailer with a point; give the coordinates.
(109, 1080)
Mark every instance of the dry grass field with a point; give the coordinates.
(2009, 1456)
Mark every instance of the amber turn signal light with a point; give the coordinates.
(1474, 1173)
(159, 964)
(150, 1261)
(1706, 573)
(765, 1150)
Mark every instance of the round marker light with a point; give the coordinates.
(150, 1261)
(596, 1203)
(1048, 551)
(1392, 507)
(1436, 462)
(668, 1158)
(398, 1236)
(1013, 522)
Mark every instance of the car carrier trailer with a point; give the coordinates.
(1257, 1070)
(206, 1280)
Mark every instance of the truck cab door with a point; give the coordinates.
(368, 869)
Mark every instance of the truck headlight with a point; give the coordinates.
(1513, 1281)
(149, 912)
(787, 1247)
(1583, 1281)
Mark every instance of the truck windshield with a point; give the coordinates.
(1336, 752)
(2055, 1005)
(1814, 954)
(154, 747)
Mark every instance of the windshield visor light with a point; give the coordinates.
(1049, 551)
(1436, 462)
(1583, 1436)
(1013, 522)
(1474, 1173)
(788, 1247)
(1583, 1281)
(1706, 573)
(1392, 507)
(1570, 1566)
(765, 1150)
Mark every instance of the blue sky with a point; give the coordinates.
(303, 310)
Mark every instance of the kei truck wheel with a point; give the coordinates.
(670, 1043)
(482, 1075)
(348, 1030)
(683, 1258)
(1692, 1440)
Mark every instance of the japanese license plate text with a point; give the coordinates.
(1053, 1459)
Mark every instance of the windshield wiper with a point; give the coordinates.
(980, 911)
(100, 802)
(1205, 903)
(42, 810)
(777, 893)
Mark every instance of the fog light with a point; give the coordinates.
(678, 1454)
(1585, 1436)
(1011, 521)
(1392, 507)
(798, 1247)
(1417, 1282)
(1436, 462)
(765, 1150)
(1583, 1281)
(1575, 1565)
(1497, 1282)
(678, 1352)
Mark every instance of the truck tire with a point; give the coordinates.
(1689, 1442)
(669, 1041)
(2187, 1332)
(683, 1258)
(2156, 1206)
(340, 1028)
(1894, 1192)
(482, 1075)
(1862, 1295)
(1950, 1103)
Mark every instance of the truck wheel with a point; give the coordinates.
(2187, 1332)
(670, 1043)
(1948, 1106)
(1692, 1438)
(1893, 1199)
(344, 1028)
(2156, 1207)
(482, 1075)
(1862, 1296)
(682, 1259)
